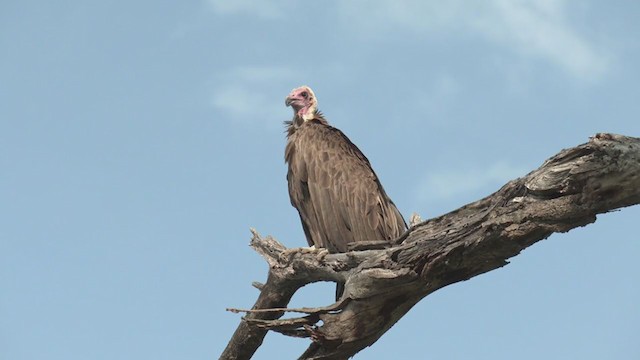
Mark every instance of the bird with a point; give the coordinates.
(331, 183)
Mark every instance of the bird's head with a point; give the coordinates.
(303, 101)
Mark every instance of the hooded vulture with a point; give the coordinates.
(331, 183)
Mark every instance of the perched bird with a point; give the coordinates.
(331, 183)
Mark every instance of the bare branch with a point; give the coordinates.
(385, 281)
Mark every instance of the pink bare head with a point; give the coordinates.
(303, 101)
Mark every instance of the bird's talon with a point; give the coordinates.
(322, 252)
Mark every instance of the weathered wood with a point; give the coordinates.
(382, 284)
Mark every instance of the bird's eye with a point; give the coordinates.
(304, 94)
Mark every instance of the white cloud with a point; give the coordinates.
(237, 100)
(254, 93)
(448, 184)
(539, 28)
(266, 9)
(531, 28)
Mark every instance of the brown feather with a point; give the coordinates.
(336, 192)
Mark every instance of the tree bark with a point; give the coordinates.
(384, 280)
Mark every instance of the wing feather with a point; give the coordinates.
(337, 194)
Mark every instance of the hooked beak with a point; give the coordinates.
(288, 101)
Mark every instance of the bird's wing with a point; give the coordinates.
(336, 192)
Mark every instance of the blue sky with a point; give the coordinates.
(139, 141)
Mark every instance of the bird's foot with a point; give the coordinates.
(320, 252)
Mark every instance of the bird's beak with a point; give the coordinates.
(288, 101)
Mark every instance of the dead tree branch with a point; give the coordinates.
(384, 282)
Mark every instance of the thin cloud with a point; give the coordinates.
(539, 28)
(531, 28)
(242, 90)
(446, 185)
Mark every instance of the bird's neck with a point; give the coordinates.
(298, 121)
(307, 113)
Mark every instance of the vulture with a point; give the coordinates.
(331, 183)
